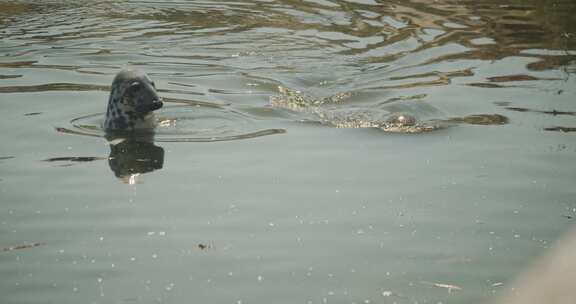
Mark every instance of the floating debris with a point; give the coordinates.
(450, 287)
(22, 246)
(204, 246)
(32, 113)
(75, 159)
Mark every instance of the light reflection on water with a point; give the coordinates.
(316, 215)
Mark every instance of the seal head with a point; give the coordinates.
(133, 99)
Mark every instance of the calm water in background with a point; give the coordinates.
(315, 214)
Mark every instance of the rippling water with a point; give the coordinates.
(211, 211)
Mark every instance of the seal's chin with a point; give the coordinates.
(147, 108)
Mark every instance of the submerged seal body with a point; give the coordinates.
(133, 98)
(328, 112)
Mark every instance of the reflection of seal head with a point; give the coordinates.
(131, 157)
(133, 99)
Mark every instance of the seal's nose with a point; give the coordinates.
(145, 108)
(157, 104)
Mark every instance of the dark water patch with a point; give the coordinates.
(518, 77)
(34, 64)
(481, 119)
(561, 129)
(486, 85)
(6, 157)
(53, 87)
(10, 76)
(553, 112)
(566, 62)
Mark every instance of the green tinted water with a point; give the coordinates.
(312, 215)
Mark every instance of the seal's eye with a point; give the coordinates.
(153, 84)
(136, 86)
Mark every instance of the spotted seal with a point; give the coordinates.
(327, 112)
(133, 98)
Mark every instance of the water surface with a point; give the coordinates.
(309, 213)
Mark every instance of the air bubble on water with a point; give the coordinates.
(150, 233)
(154, 255)
(386, 293)
(101, 238)
(259, 278)
(162, 233)
(99, 280)
(230, 273)
(271, 224)
(169, 287)
(132, 259)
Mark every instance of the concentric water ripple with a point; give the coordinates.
(185, 124)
